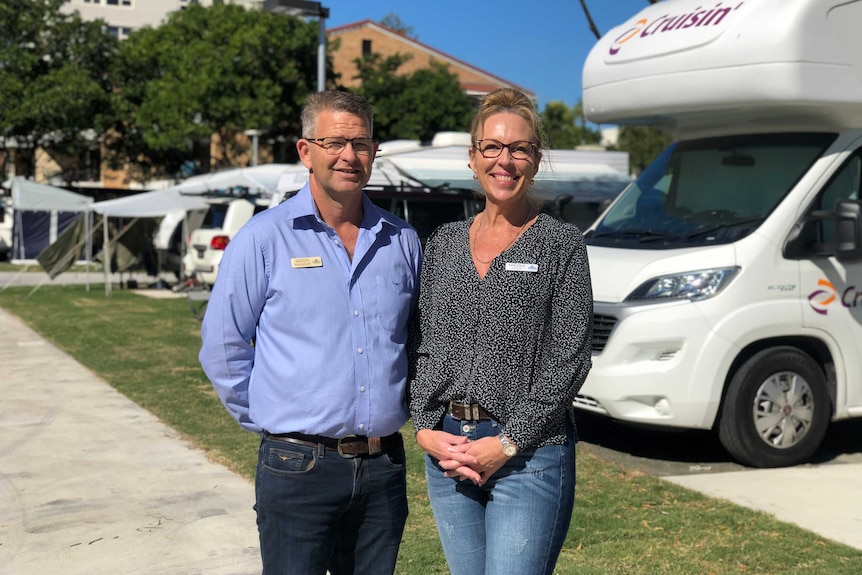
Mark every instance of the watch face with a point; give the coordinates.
(509, 450)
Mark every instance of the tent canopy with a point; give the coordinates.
(149, 204)
(30, 196)
(261, 178)
(189, 194)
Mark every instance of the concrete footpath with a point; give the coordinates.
(92, 484)
(825, 499)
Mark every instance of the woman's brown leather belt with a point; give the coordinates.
(468, 411)
(349, 446)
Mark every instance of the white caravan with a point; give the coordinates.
(727, 280)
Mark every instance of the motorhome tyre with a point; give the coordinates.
(776, 410)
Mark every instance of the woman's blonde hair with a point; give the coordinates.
(508, 100)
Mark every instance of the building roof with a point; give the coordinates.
(487, 83)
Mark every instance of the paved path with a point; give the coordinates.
(92, 484)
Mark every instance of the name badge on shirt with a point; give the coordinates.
(517, 267)
(310, 262)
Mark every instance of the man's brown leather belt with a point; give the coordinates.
(468, 411)
(349, 446)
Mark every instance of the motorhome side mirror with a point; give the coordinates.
(848, 230)
(845, 239)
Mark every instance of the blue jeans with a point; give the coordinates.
(515, 523)
(317, 510)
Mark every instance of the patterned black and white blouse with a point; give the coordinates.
(516, 342)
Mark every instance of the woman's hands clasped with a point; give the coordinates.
(461, 458)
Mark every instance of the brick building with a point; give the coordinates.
(367, 37)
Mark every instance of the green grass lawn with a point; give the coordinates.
(624, 522)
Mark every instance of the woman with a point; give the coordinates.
(499, 348)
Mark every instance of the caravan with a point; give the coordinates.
(727, 279)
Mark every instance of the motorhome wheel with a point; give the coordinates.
(776, 410)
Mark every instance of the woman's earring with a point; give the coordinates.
(475, 177)
(532, 182)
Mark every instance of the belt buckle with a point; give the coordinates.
(375, 445)
(473, 410)
(341, 452)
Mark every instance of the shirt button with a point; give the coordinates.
(356, 313)
(362, 389)
(359, 350)
(465, 428)
(361, 426)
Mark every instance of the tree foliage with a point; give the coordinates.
(216, 70)
(394, 22)
(562, 127)
(414, 106)
(643, 143)
(53, 73)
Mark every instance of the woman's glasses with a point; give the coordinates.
(521, 150)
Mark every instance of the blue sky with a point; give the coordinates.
(539, 45)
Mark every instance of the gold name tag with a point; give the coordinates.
(312, 262)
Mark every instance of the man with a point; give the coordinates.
(304, 342)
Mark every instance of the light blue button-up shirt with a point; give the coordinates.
(299, 338)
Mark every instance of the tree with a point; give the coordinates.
(414, 106)
(394, 23)
(643, 143)
(217, 70)
(53, 73)
(562, 129)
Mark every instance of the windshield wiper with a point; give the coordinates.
(725, 225)
(642, 235)
(633, 232)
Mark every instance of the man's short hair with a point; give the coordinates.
(334, 101)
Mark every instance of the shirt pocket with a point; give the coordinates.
(393, 296)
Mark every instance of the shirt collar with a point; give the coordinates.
(302, 205)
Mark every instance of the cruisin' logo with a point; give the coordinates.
(826, 293)
(669, 23)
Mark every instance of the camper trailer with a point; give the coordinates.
(727, 279)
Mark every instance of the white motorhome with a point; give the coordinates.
(727, 280)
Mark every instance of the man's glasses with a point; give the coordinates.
(335, 145)
(521, 150)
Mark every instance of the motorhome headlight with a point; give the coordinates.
(695, 285)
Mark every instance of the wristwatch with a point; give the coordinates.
(509, 448)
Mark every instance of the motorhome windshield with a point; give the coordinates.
(707, 192)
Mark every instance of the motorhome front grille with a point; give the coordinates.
(602, 327)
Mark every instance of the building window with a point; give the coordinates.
(119, 32)
(366, 47)
(117, 2)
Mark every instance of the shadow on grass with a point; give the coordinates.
(844, 438)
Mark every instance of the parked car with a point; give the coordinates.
(169, 243)
(223, 218)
